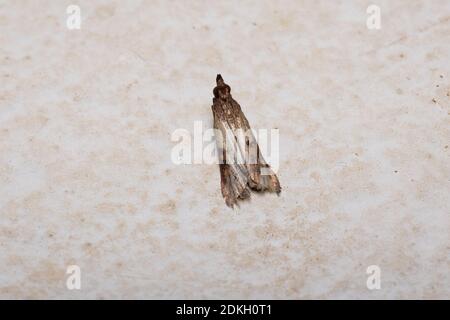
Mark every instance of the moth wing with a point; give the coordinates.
(233, 172)
(260, 176)
(233, 184)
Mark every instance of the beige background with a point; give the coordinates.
(86, 176)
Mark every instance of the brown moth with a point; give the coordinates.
(242, 166)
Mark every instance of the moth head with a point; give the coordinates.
(222, 90)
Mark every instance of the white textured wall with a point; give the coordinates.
(86, 176)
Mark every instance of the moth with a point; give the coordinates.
(242, 166)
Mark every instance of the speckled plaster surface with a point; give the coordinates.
(86, 177)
